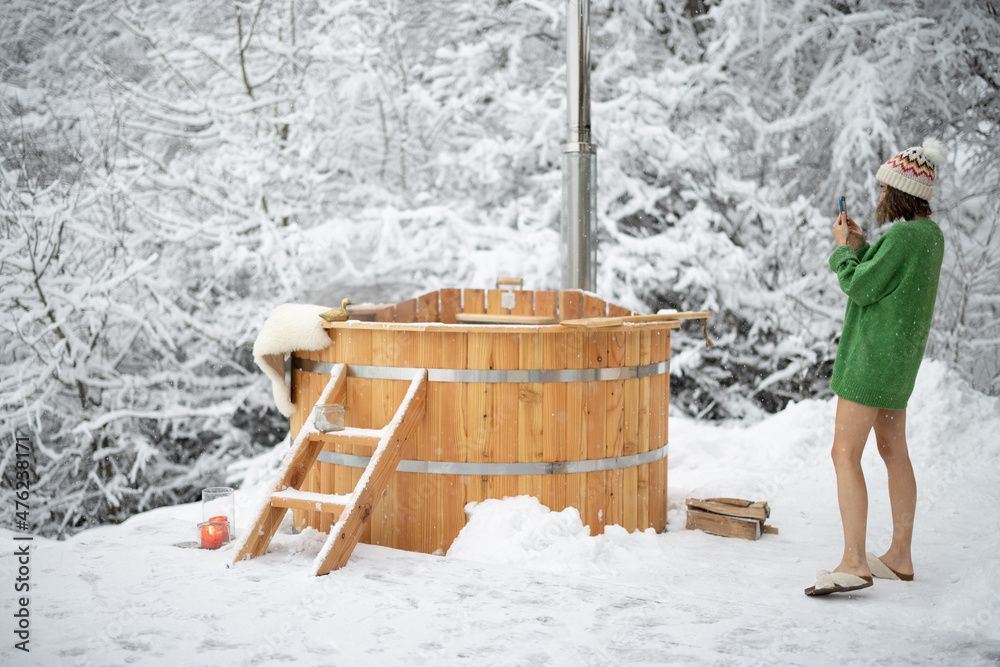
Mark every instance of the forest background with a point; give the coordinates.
(171, 171)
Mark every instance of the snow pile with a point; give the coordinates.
(521, 532)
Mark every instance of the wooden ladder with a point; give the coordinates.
(354, 508)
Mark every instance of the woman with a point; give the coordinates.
(891, 286)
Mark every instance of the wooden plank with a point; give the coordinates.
(494, 302)
(473, 301)
(630, 436)
(530, 415)
(332, 478)
(439, 327)
(731, 507)
(601, 322)
(356, 347)
(383, 406)
(383, 464)
(424, 533)
(506, 351)
(453, 414)
(479, 416)
(659, 385)
(595, 405)
(486, 318)
(427, 307)
(574, 446)
(383, 313)
(405, 311)
(547, 304)
(642, 482)
(401, 513)
(614, 430)
(365, 438)
(450, 306)
(555, 417)
(594, 306)
(312, 481)
(524, 303)
(726, 526)
(570, 304)
(328, 504)
(615, 310)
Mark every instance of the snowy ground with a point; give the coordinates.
(525, 586)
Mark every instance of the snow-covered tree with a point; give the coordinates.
(169, 172)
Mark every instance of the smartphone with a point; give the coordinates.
(843, 205)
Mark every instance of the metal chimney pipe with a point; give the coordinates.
(577, 226)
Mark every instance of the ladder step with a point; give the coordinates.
(308, 501)
(362, 437)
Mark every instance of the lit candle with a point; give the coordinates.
(214, 532)
(222, 523)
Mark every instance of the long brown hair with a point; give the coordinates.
(899, 205)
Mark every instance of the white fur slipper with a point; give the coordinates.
(883, 571)
(837, 582)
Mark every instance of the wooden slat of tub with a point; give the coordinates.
(493, 302)
(546, 304)
(473, 301)
(451, 305)
(298, 417)
(454, 413)
(425, 489)
(524, 303)
(326, 474)
(479, 419)
(315, 383)
(574, 446)
(615, 428)
(555, 418)
(615, 310)
(299, 390)
(595, 406)
(642, 484)
(594, 306)
(506, 350)
(404, 487)
(570, 306)
(356, 348)
(630, 434)
(405, 311)
(530, 415)
(657, 476)
(383, 408)
(666, 429)
(427, 308)
(337, 479)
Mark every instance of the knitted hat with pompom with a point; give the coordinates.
(912, 171)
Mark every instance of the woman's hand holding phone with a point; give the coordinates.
(846, 231)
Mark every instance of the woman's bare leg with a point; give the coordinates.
(890, 433)
(854, 422)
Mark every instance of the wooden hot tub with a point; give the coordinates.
(574, 416)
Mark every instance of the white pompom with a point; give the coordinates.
(933, 151)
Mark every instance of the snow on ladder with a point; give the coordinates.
(354, 508)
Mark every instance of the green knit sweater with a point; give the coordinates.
(891, 287)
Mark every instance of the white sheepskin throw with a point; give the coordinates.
(290, 327)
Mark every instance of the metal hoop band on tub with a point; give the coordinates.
(489, 469)
(470, 375)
